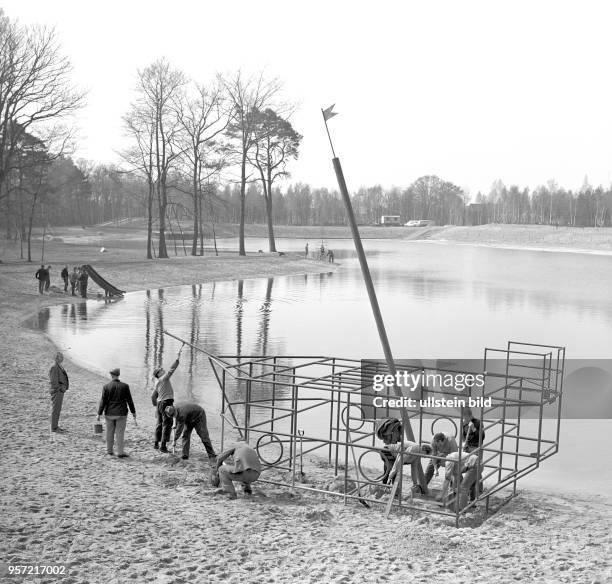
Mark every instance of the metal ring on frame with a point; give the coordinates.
(444, 418)
(378, 479)
(346, 422)
(273, 438)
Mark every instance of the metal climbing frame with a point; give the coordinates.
(291, 406)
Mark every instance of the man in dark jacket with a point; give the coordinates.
(83, 278)
(65, 276)
(472, 432)
(58, 381)
(191, 417)
(41, 276)
(114, 404)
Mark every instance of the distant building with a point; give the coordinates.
(390, 220)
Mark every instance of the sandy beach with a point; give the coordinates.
(154, 518)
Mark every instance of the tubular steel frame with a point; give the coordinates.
(288, 390)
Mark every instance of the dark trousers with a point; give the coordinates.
(201, 429)
(47, 284)
(83, 288)
(163, 427)
(72, 286)
(65, 283)
(431, 469)
(41, 286)
(57, 399)
(388, 461)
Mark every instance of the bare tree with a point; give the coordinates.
(247, 95)
(36, 93)
(203, 118)
(140, 157)
(159, 88)
(276, 142)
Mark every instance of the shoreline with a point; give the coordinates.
(63, 500)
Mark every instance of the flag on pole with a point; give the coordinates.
(329, 113)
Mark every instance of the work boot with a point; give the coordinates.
(156, 446)
(247, 490)
(163, 448)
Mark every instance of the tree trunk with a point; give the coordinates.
(150, 221)
(196, 213)
(241, 248)
(162, 251)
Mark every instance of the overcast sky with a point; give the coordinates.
(471, 91)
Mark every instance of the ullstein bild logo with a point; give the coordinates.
(415, 382)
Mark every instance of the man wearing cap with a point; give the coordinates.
(162, 397)
(191, 417)
(114, 404)
(58, 380)
(246, 469)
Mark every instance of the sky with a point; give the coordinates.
(470, 91)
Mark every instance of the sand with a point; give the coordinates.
(154, 518)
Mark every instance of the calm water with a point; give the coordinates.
(437, 300)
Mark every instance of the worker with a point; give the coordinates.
(190, 417)
(441, 445)
(472, 431)
(463, 482)
(246, 469)
(162, 397)
(390, 432)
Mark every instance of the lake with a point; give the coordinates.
(438, 301)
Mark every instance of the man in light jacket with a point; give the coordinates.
(246, 469)
(114, 404)
(58, 381)
(162, 397)
(442, 445)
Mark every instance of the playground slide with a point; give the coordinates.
(100, 281)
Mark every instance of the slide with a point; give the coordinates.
(100, 281)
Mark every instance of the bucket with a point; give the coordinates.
(97, 428)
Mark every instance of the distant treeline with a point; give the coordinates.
(87, 194)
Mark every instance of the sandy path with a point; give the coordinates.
(153, 518)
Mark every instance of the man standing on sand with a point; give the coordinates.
(246, 469)
(65, 278)
(306, 250)
(162, 397)
(114, 404)
(191, 417)
(41, 276)
(58, 380)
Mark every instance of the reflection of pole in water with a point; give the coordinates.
(147, 355)
(159, 327)
(265, 311)
(196, 293)
(239, 309)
